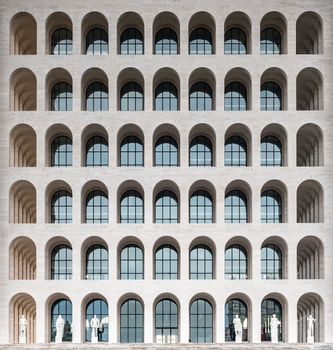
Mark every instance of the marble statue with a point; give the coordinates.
(238, 329)
(310, 329)
(23, 324)
(274, 329)
(60, 324)
(95, 324)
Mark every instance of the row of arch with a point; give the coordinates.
(166, 90)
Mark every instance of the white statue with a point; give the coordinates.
(238, 329)
(94, 323)
(310, 329)
(60, 324)
(23, 324)
(274, 329)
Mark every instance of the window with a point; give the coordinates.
(270, 97)
(166, 97)
(131, 42)
(235, 42)
(131, 263)
(201, 42)
(61, 97)
(270, 42)
(131, 322)
(97, 42)
(100, 309)
(201, 97)
(166, 208)
(166, 42)
(61, 207)
(235, 97)
(131, 208)
(201, 263)
(271, 151)
(201, 151)
(97, 151)
(271, 207)
(131, 151)
(166, 263)
(131, 97)
(97, 97)
(61, 262)
(232, 308)
(61, 42)
(61, 307)
(235, 151)
(271, 262)
(269, 307)
(201, 322)
(166, 321)
(97, 208)
(61, 151)
(166, 151)
(201, 207)
(235, 263)
(235, 207)
(97, 263)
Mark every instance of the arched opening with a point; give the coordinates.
(23, 90)
(237, 90)
(131, 203)
(237, 203)
(202, 90)
(131, 320)
(274, 202)
(23, 34)
(130, 30)
(130, 259)
(130, 141)
(310, 202)
(310, 148)
(202, 252)
(237, 146)
(202, 202)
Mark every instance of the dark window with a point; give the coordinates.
(166, 208)
(97, 151)
(97, 207)
(61, 151)
(270, 41)
(201, 322)
(97, 42)
(270, 97)
(61, 42)
(235, 207)
(61, 262)
(131, 42)
(235, 263)
(271, 207)
(271, 262)
(269, 307)
(131, 208)
(166, 263)
(97, 263)
(201, 151)
(235, 151)
(166, 97)
(271, 151)
(61, 207)
(166, 321)
(166, 42)
(131, 151)
(235, 42)
(201, 42)
(131, 97)
(97, 97)
(100, 309)
(61, 97)
(235, 97)
(131, 322)
(201, 97)
(131, 263)
(201, 263)
(232, 308)
(62, 307)
(201, 207)
(166, 151)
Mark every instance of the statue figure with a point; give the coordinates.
(23, 324)
(238, 329)
(95, 324)
(60, 324)
(310, 329)
(274, 329)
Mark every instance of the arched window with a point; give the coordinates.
(61, 262)
(131, 208)
(131, 42)
(235, 207)
(271, 207)
(62, 307)
(97, 151)
(131, 322)
(166, 263)
(201, 263)
(131, 263)
(61, 207)
(201, 207)
(235, 151)
(201, 322)
(97, 263)
(270, 42)
(271, 262)
(201, 42)
(100, 309)
(97, 207)
(166, 208)
(235, 42)
(235, 97)
(270, 97)
(235, 263)
(166, 321)
(271, 151)
(166, 42)
(97, 42)
(232, 308)
(131, 97)
(269, 307)
(166, 151)
(61, 97)
(201, 151)
(61, 151)
(201, 97)
(62, 42)
(97, 97)
(131, 151)
(166, 97)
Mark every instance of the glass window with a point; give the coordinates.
(271, 262)
(97, 263)
(201, 97)
(235, 207)
(166, 321)
(271, 151)
(201, 322)
(61, 97)
(61, 307)
(131, 97)
(269, 307)
(61, 207)
(166, 263)
(235, 42)
(97, 207)
(97, 151)
(232, 308)
(97, 97)
(131, 151)
(97, 42)
(131, 322)
(270, 42)
(61, 262)
(235, 97)
(131, 263)
(166, 42)
(201, 207)
(131, 42)
(271, 207)
(201, 151)
(201, 263)
(166, 208)
(270, 97)
(61, 151)
(201, 42)
(100, 309)
(235, 263)
(131, 208)
(235, 151)
(166, 97)
(62, 42)
(166, 151)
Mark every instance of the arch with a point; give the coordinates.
(130, 252)
(237, 90)
(23, 90)
(202, 135)
(131, 321)
(130, 196)
(310, 146)
(23, 34)
(310, 202)
(274, 148)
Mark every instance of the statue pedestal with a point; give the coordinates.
(22, 339)
(238, 339)
(94, 339)
(58, 340)
(310, 339)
